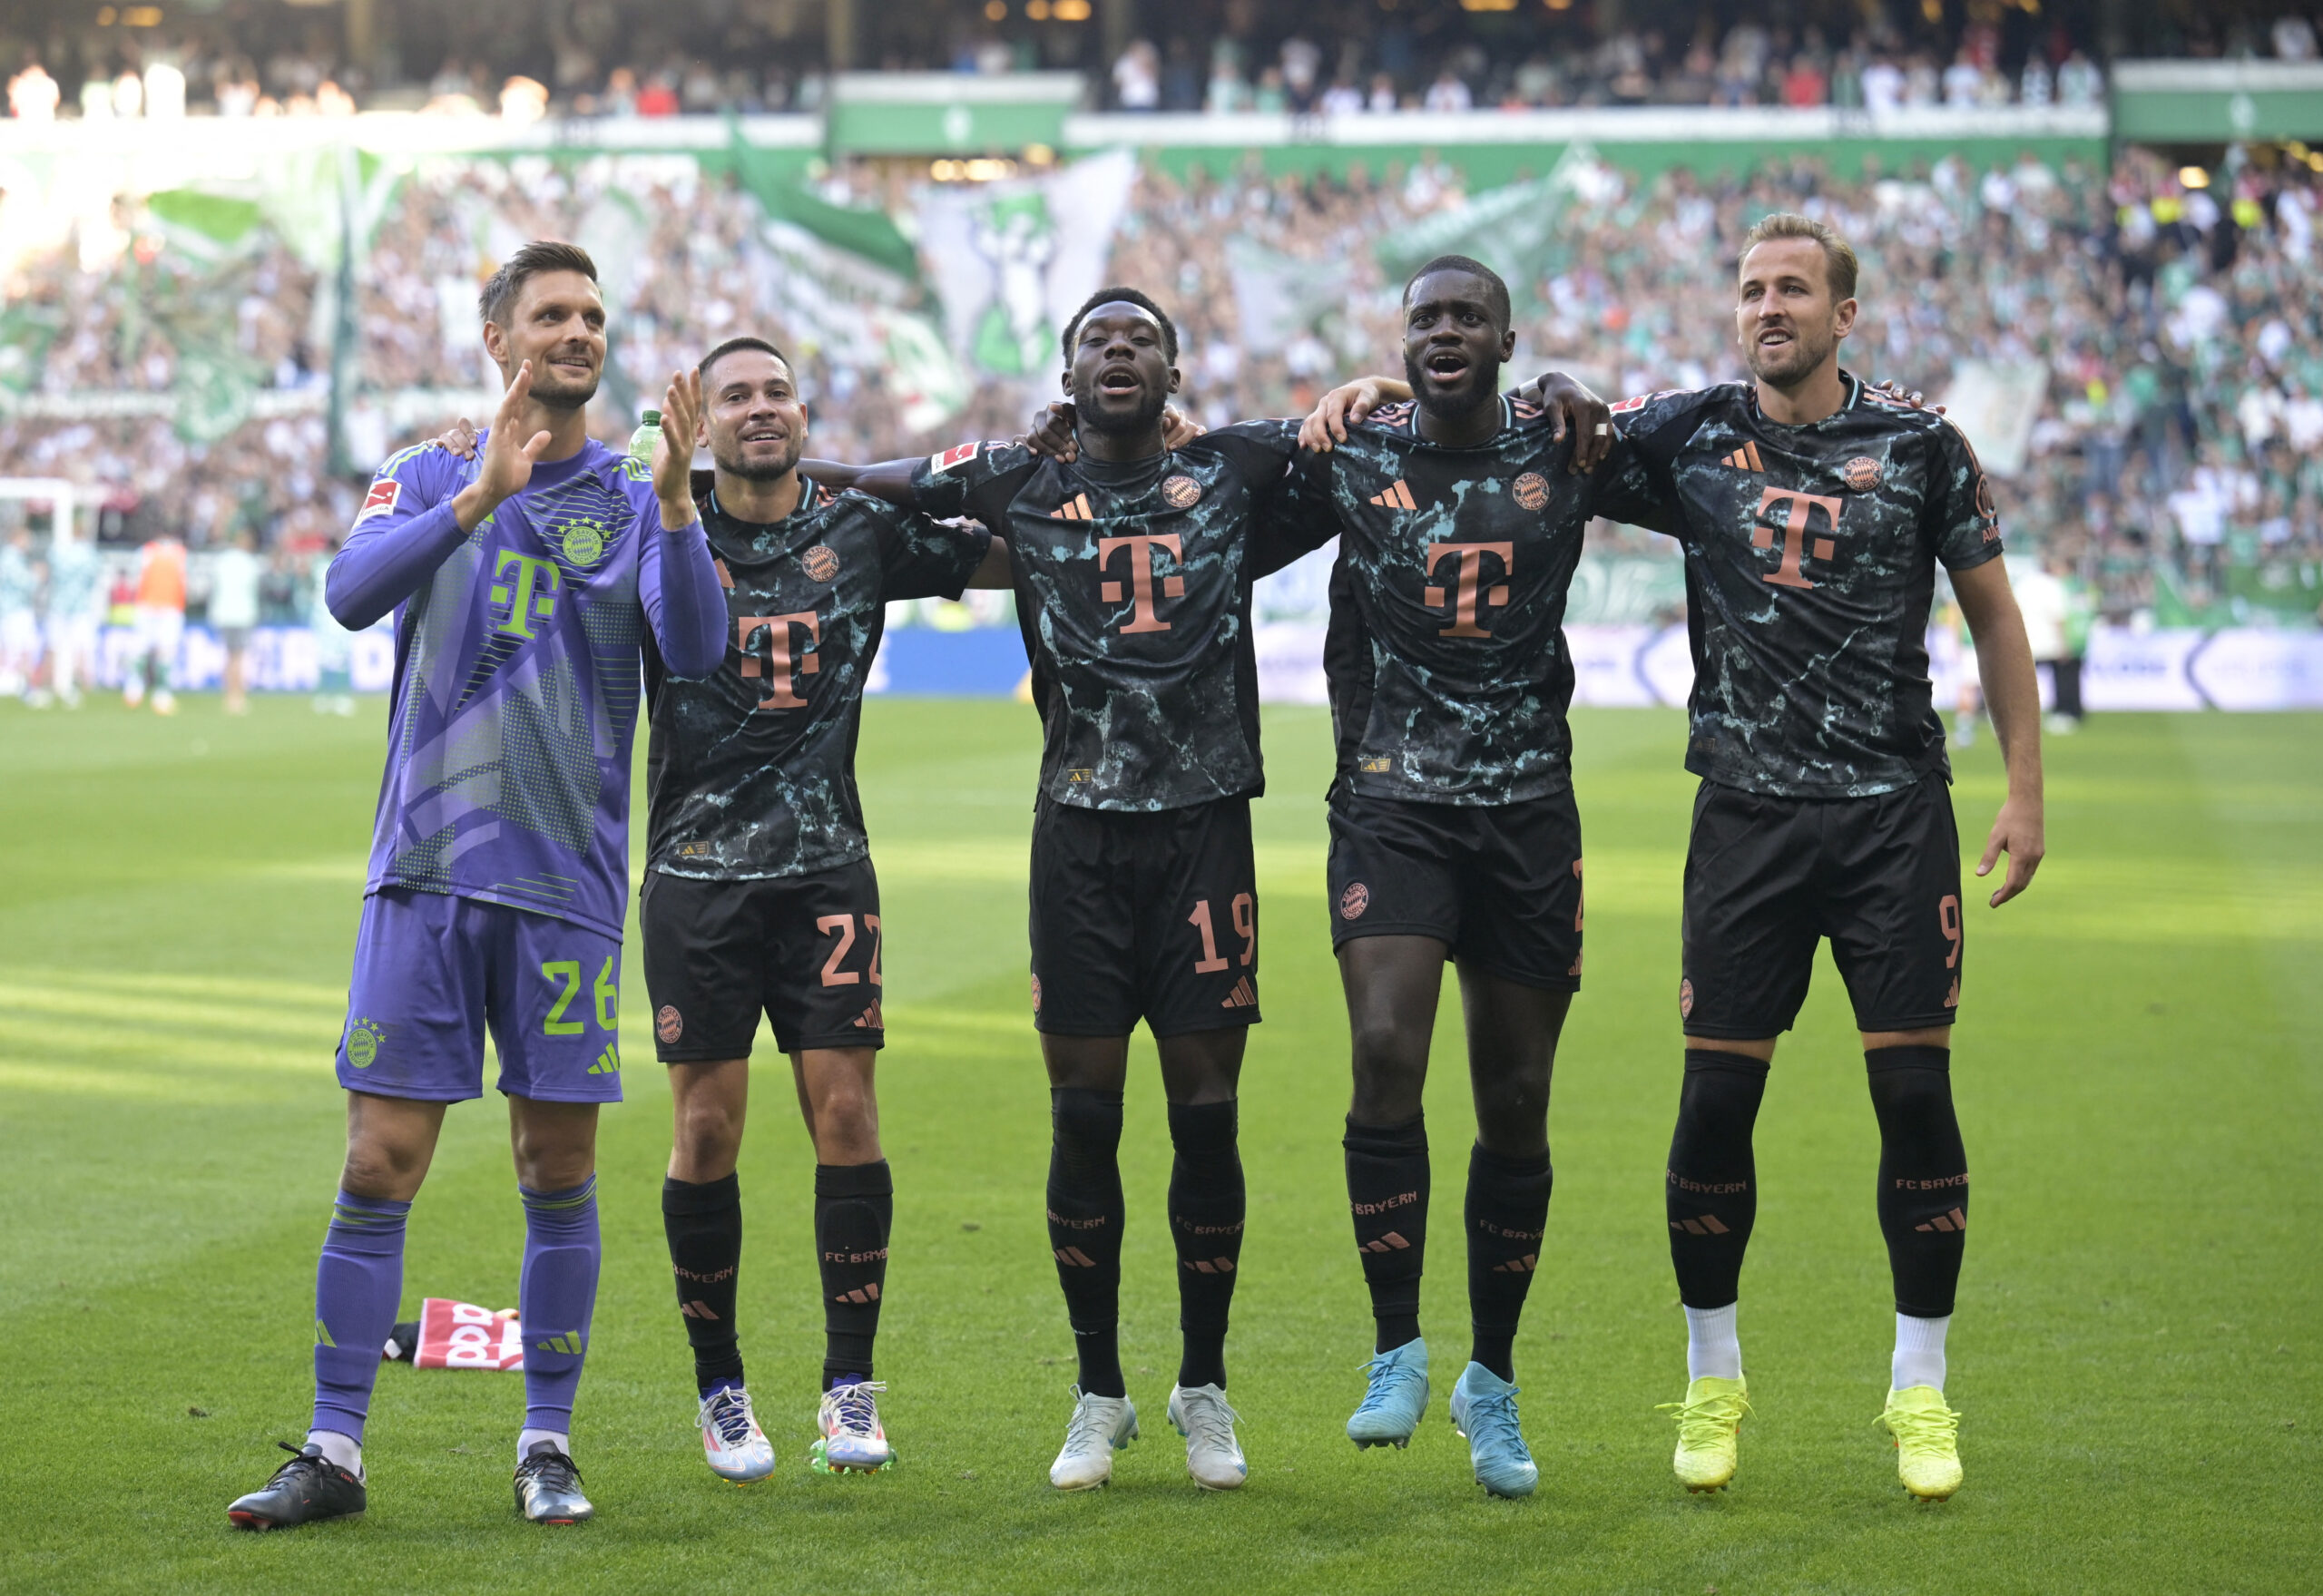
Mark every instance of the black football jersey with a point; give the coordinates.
(1811, 565)
(1134, 592)
(751, 772)
(1449, 674)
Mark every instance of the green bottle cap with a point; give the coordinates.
(652, 418)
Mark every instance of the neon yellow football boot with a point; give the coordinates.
(1708, 1422)
(1928, 1442)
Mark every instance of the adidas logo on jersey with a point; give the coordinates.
(1946, 1223)
(608, 1062)
(1075, 508)
(1243, 997)
(1396, 497)
(1745, 458)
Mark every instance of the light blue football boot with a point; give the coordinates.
(1396, 1398)
(1483, 1409)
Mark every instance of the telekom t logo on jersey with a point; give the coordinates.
(529, 586)
(1468, 589)
(1796, 545)
(777, 666)
(1141, 546)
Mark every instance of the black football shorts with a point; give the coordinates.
(1143, 917)
(1767, 878)
(803, 950)
(1499, 883)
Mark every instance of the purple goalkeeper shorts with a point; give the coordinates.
(432, 971)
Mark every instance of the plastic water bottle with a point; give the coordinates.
(641, 441)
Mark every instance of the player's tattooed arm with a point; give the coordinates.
(2013, 699)
(1327, 423)
(1051, 435)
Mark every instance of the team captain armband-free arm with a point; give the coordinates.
(422, 505)
(684, 605)
(405, 529)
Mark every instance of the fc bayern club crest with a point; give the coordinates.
(1354, 901)
(1531, 491)
(669, 1024)
(1686, 999)
(821, 562)
(1181, 492)
(1862, 473)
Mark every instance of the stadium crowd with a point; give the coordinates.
(2177, 462)
(1338, 59)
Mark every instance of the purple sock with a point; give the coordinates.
(358, 1286)
(556, 1297)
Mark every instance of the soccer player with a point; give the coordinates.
(1814, 512)
(1454, 832)
(19, 622)
(1132, 567)
(75, 614)
(760, 895)
(524, 584)
(161, 623)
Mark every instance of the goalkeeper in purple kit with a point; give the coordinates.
(523, 583)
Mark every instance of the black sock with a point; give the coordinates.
(1387, 1193)
(1507, 1214)
(1085, 1215)
(854, 1206)
(1712, 1192)
(1923, 1176)
(1206, 1213)
(705, 1225)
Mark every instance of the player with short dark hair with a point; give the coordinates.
(760, 895)
(1132, 567)
(524, 582)
(1454, 832)
(1814, 512)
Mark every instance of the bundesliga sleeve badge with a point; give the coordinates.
(380, 500)
(958, 455)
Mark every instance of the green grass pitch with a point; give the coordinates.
(2136, 1348)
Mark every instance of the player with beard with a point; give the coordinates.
(1132, 567)
(1454, 832)
(759, 896)
(524, 582)
(1813, 512)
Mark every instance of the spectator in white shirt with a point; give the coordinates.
(1447, 92)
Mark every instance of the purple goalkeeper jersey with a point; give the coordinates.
(517, 672)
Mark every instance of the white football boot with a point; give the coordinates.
(1101, 1426)
(1214, 1457)
(738, 1450)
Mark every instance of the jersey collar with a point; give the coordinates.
(813, 495)
(1411, 421)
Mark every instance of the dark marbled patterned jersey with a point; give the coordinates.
(1810, 564)
(751, 772)
(1449, 675)
(1134, 592)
